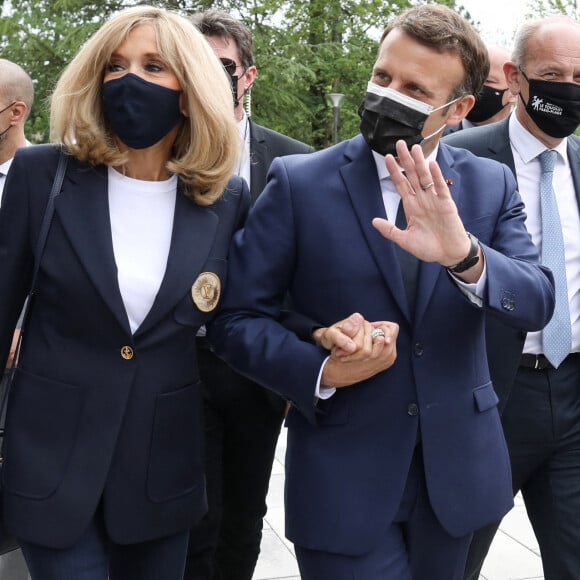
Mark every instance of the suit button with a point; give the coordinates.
(418, 349)
(508, 304)
(127, 352)
(413, 409)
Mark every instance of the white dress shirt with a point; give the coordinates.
(526, 148)
(244, 161)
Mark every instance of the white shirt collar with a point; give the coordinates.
(382, 171)
(528, 146)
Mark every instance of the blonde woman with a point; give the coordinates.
(103, 471)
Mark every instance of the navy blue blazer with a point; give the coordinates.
(347, 458)
(505, 344)
(90, 420)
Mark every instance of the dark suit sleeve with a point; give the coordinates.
(246, 331)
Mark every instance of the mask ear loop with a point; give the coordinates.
(248, 102)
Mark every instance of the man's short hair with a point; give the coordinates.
(444, 30)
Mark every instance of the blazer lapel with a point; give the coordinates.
(574, 160)
(193, 234)
(368, 203)
(499, 144)
(429, 272)
(83, 210)
(259, 161)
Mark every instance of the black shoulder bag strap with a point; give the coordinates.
(41, 242)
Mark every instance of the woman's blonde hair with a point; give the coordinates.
(207, 146)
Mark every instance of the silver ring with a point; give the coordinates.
(429, 185)
(377, 332)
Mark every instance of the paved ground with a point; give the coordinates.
(514, 554)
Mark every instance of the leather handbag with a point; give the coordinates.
(7, 540)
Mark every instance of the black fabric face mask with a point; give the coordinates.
(388, 116)
(553, 106)
(234, 80)
(139, 112)
(487, 104)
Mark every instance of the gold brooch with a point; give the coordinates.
(206, 291)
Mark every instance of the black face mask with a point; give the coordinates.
(487, 104)
(554, 107)
(139, 112)
(234, 80)
(388, 116)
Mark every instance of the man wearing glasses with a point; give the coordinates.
(243, 420)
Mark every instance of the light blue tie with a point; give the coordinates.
(557, 334)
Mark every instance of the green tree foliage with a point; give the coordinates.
(304, 50)
(550, 7)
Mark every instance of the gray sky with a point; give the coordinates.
(498, 19)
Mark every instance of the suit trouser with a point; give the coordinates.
(542, 427)
(243, 422)
(413, 547)
(95, 557)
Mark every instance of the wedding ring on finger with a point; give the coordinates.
(427, 186)
(377, 332)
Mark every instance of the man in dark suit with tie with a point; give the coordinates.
(393, 459)
(243, 419)
(540, 388)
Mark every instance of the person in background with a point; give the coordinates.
(104, 474)
(243, 419)
(16, 100)
(394, 459)
(539, 388)
(494, 102)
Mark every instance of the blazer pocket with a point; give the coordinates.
(175, 461)
(41, 432)
(485, 397)
(202, 300)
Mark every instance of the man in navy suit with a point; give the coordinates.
(243, 419)
(393, 459)
(541, 419)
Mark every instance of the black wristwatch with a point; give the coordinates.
(470, 260)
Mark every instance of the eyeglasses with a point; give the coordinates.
(230, 66)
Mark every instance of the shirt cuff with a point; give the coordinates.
(321, 391)
(475, 291)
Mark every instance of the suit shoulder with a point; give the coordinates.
(44, 152)
(236, 196)
(469, 159)
(279, 143)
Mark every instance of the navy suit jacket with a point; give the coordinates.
(347, 458)
(85, 424)
(505, 344)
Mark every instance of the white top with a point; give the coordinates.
(141, 214)
(526, 148)
(4, 167)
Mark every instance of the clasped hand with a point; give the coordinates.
(354, 354)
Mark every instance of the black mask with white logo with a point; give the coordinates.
(553, 106)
